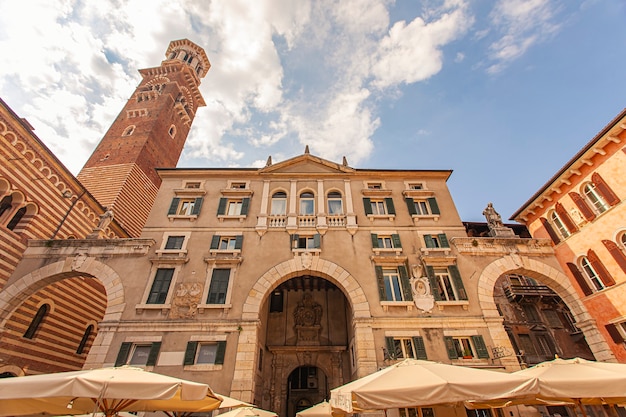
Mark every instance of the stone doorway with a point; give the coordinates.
(304, 344)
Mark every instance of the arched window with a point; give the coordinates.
(307, 203)
(559, 225)
(279, 203)
(5, 204)
(36, 322)
(16, 218)
(84, 340)
(595, 198)
(172, 131)
(335, 203)
(128, 131)
(591, 273)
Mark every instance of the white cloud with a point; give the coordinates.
(522, 24)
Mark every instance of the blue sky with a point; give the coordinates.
(503, 92)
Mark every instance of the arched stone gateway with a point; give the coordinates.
(303, 352)
(550, 276)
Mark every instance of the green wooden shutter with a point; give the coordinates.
(432, 279)
(434, 207)
(215, 242)
(367, 205)
(443, 239)
(238, 241)
(458, 282)
(420, 349)
(221, 206)
(381, 283)
(122, 355)
(173, 206)
(154, 354)
(410, 204)
(391, 348)
(407, 294)
(396, 241)
(219, 354)
(317, 241)
(197, 206)
(449, 341)
(190, 353)
(245, 204)
(481, 349)
(428, 240)
(391, 209)
(374, 240)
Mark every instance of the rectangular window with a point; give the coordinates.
(174, 242)
(238, 185)
(192, 185)
(466, 347)
(378, 207)
(227, 243)
(386, 241)
(446, 283)
(416, 186)
(393, 289)
(185, 206)
(375, 186)
(233, 206)
(436, 241)
(422, 207)
(306, 241)
(219, 286)
(160, 286)
(204, 353)
(138, 354)
(405, 347)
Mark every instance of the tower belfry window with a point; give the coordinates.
(129, 130)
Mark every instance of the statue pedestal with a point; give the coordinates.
(501, 232)
(97, 233)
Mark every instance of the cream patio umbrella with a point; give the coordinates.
(106, 390)
(322, 409)
(574, 382)
(414, 383)
(248, 412)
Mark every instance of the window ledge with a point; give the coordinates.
(191, 217)
(408, 305)
(236, 192)
(436, 251)
(389, 217)
(379, 192)
(240, 217)
(165, 308)
(418, 217)
(225, 307)
(189, 191)
(418, 193)
(385, 251)
(442, 304)
(228, 258)
(171, 252)
(169, 259)
(203, 367)
(315, 251)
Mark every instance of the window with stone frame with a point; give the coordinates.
(446, 283)
(204, 353)
(405, 347)
(185, 206)
(138, 353)
(160, 286)
(467, 347)
(393, 283)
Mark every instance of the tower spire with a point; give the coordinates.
(149, 133)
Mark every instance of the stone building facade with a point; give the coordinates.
(581, 209)
(276, 284)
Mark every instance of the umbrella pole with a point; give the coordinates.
(582, 408)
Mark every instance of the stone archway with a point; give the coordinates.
(552, 277)
(80, 265)
(363, 339)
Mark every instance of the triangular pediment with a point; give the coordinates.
(306, 164)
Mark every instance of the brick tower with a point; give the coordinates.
(149, 133)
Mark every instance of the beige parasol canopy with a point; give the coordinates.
(414, 383)
(107, 390)
(248, 412)
(322, 409)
